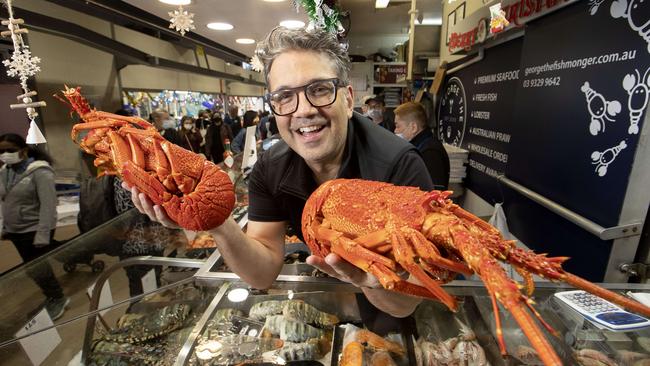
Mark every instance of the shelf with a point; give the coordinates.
(389, 85)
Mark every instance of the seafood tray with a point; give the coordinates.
(273, 329)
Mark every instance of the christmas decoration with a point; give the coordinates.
(498, 19)
(257, 64)
(322, 14)
(23, 65)
(181, 20)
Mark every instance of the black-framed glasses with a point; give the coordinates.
(319, 93)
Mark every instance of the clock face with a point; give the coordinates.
(452, 113)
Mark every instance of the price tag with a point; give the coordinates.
(105, 297)
(250, 149)
(40, 345)
(149, 281)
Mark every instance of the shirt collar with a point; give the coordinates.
(422, 137)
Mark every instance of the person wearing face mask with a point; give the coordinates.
(411, 125)
(190, 137)
(378, 114)
(215, 139)
(166, 125)
(29, 209)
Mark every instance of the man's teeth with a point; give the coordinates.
(309, 129)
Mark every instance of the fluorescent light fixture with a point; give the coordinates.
(245, 40)
(431, 21)
(176, 2)
(381, 3)
(238, 295)
(220, 26)
(292, 24)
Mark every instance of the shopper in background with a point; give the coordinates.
(190, 137)
(411, 125)
(378, 114)
(307, 73)
(232, 119)
(166, 125)
(29, 210)
(263, 125)
(203, 122)
(250, 118)
(215, 139)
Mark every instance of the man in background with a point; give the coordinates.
(411, 125)
(166, 125)
(377, 113)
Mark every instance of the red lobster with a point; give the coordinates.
(380, 228)
(193, 191)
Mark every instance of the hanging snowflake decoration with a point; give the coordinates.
(22, 64)
(256, 64)
(181, 20)
(322, 14)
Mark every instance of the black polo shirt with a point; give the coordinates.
(281, 182)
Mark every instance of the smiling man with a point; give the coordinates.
(307, 74)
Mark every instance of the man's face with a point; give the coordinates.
(405, 128)
(376, 111)
(158, 121)
(316, 134)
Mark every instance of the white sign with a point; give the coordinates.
(250, 149)
(149, 281)
(105, 297)
(40, 345)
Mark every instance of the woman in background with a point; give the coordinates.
(251, 118)
(190, 137)
(29, 210)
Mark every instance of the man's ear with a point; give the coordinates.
(349, 99)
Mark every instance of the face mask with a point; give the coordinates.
(10, 158)
(375, 114)
(400, 135)
(188, 126)
(169, 123)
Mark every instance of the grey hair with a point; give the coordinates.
(282, 39)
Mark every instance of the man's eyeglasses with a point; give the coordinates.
(319, 93)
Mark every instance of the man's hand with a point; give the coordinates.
(145, 206)
(338, 267)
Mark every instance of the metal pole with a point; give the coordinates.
(409, 67)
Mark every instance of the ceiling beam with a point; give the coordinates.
(125, 54)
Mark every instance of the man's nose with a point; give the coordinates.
(305, 109)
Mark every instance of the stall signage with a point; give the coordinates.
(389, 74)
(40, 345)
(475, 28)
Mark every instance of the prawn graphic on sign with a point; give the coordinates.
(637, 13)
(604, 158)
(638, 90)
(599, 108)
(593, 6)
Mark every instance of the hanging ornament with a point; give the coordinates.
(23, 65)
(256, 64)
(498, 19)
(181, 20)
(322, 14)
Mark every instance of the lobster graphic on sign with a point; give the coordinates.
(600, 109)
(637, 13)
(604, 158)
(638, 89)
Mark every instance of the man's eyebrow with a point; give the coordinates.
(284, 87)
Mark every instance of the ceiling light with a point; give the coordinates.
(431, 21)
(245, 40)
(176, 2)
(220, 26)
(292, 24)
(381, 3)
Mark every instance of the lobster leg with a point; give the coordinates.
(404, 255)
(504, 289)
